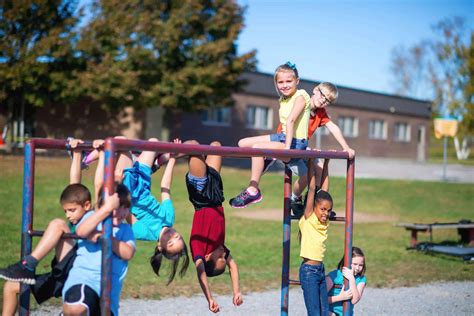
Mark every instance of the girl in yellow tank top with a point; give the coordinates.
(294, 115)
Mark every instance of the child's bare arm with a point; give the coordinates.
(167, 179)
(336, 132)
(89, 225)
(325, 176)
(75, 174)
(311, 189)
(123, 249)
(356, 294)
(296, 111)
(99, 175)
(234, 277)
(202, 277)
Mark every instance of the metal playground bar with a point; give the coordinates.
(114, 145)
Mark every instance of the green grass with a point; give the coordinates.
(256, 244)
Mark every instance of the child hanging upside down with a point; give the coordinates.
(208, 249)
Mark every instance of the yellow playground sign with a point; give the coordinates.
(445, 127)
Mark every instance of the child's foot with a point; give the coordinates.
(267, 163)
(18, 272)
(160, 160)
(297, 207)
(332, 215)
(245, 198)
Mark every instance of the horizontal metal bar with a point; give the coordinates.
(295, 282)
(127, 144)
(45, 143)
(332, 219)
(39, 233)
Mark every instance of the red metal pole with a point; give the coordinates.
(106, 276)
(285, 270)
(348, 226)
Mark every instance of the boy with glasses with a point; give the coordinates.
(324, 94)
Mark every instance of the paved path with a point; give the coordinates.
(428, 299)
(384, 168)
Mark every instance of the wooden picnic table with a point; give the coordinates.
(465, 230)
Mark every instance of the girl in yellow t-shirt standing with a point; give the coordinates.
(314, 232)
(294, 116)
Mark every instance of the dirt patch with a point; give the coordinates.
(277, 215)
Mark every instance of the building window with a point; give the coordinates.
(259, 117)
(377, 129)
(216, 116)
(349, 126)
(402, 132)
(322, 130)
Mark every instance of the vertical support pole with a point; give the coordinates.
(445, 157)
(27, 219)
(106, 276)
(348, 226)
(285, 272)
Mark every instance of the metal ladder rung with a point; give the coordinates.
(39, 233)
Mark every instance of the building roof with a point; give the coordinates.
(262, 84)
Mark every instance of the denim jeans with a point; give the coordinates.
(296, 143)
(313, 283)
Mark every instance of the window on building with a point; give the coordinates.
(259, 117)
(402, 132)
(323, 130)
(216, 116)
(377, 129)
(349, 126)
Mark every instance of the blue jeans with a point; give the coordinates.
(313, 283)
(296, 143)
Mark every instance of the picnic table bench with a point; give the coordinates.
(465, 230)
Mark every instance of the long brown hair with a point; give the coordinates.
(356, 252)
(156, 260)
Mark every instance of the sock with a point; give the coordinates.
(294, 197)
(252, 194)
(30, 262)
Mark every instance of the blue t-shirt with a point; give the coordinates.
(87, 266)
(338, 279)
(151, 215)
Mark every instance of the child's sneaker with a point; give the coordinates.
(245, 198)
(332, 215)
(297, 207)
(267, 163)
(18, 273)
(160, 160)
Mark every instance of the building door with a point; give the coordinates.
(421, 146)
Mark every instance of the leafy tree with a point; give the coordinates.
(442, 66)
(175, 54)
(36, 56)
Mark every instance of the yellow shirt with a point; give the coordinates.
(301, 124)
(313, 235)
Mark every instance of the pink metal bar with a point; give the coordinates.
(285, 266)
(348, 226)
(127, 144)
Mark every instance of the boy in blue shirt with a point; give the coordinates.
(81, 292)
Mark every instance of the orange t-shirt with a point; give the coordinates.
(321, 118)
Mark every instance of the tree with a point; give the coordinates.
(174, 54)
(36, 55)
(443, 67)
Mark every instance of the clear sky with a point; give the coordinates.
(346, 42)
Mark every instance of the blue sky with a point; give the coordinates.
(347, 42)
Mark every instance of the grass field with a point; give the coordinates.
(256, 244)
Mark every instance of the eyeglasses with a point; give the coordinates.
(326, 100)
